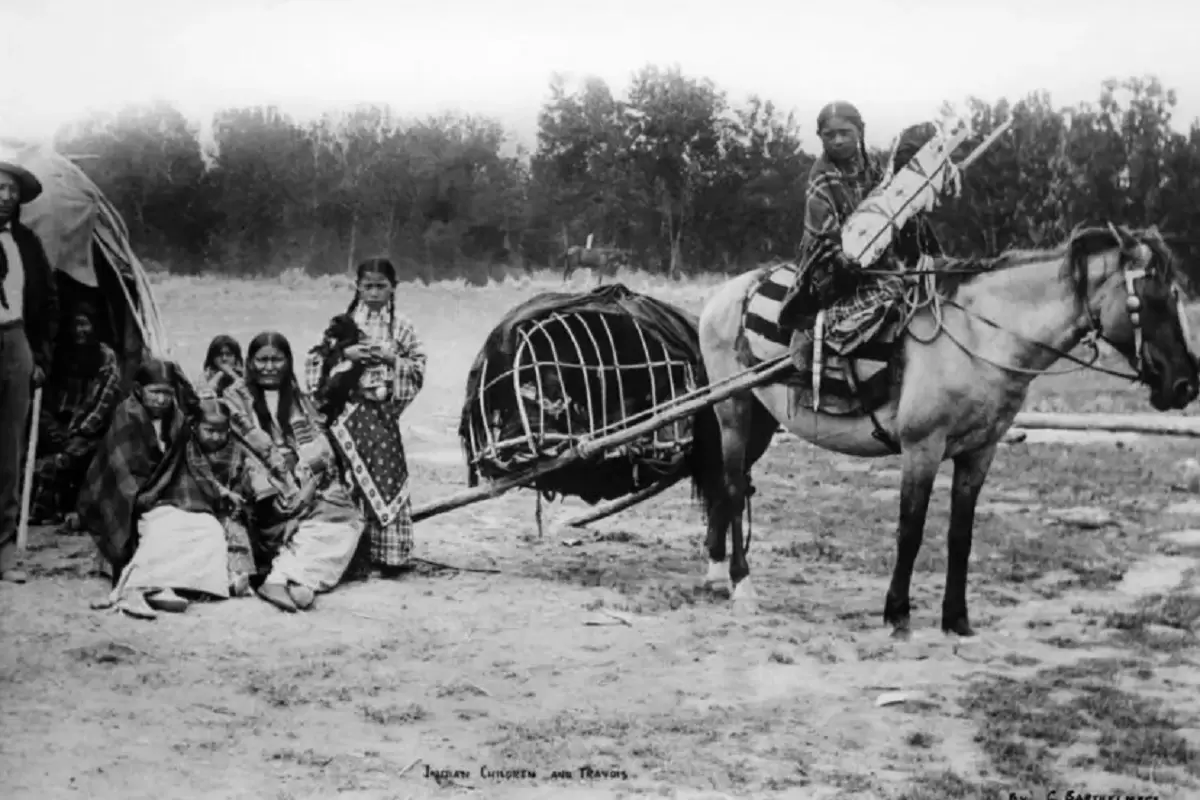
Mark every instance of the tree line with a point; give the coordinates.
(672, 171)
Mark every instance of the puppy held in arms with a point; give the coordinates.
(339, 375)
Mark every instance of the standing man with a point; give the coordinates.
(28, 325)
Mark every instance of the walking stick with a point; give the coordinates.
(30, 459)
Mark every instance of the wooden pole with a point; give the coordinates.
(30, 460)
(985, 144)
(759, 375)
(621, 503)
(1149, 424)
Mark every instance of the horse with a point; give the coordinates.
(604, 261)
(963, 359)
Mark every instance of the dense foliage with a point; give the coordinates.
(672, 171)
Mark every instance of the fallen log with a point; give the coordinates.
(1148, 424)
(586, 448)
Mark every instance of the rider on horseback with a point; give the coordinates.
(840, 180)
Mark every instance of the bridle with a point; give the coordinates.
(1133, 307)
(1093, 334)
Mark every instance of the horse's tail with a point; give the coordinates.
(707, 458)
(706, 462)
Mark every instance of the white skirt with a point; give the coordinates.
(321, 549)
(177, 550)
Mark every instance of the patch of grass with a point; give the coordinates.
(737, 749)
(304, 758)
(920, 739)
(852, 529)
(1063, 642)
(854, 782)
(654, 580)
(944, 786)
(459, 688)
(323, 682)
(394, 714)
(1160, 622)
(275, 691)
(1025, 725)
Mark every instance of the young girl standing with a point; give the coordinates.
(367, 432)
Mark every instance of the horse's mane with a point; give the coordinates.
(1081, 245)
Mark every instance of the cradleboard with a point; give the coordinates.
(915, 188)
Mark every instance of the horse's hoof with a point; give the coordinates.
(745, 601)
(716, 580)
(901, 632)
(719, 590)
(896, 612)
(958, 627)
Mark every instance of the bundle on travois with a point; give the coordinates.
(566, 368)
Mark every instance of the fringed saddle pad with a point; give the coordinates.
(762, 339)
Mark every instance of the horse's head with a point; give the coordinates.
(1138, 309)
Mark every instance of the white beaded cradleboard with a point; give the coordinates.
(868, 231)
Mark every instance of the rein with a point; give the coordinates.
(933, 301)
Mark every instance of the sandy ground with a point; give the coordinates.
(597, 655)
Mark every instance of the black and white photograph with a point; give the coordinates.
(574, 401)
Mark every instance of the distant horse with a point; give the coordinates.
(960, 369)
(604, 261)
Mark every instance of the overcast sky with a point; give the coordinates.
(896, 59)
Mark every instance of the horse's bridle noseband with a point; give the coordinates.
(1133, 307)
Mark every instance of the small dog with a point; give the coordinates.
(337, 385)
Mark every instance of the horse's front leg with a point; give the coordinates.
(970, 471)
(920, 463)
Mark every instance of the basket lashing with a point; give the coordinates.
(572, 379)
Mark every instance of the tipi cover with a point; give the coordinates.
(88, 244)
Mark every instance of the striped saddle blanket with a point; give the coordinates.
(851, 385)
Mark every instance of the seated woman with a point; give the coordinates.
(305, 532)
(144, 426)
(190, 531)
(80, 396)
(223, 364)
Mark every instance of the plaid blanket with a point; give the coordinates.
(128, 455)
(191, 480)
(75, 414)
(305, 448)
(832, 195)
(847, 387)
(831, 198)
(81, 406)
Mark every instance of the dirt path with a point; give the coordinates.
(598, 651)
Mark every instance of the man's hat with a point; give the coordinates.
(27, 183)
